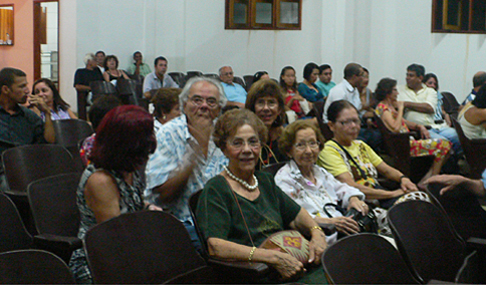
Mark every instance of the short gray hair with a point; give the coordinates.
(184, 96)
(88, 57)
(221, 68)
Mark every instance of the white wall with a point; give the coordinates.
(383, 35)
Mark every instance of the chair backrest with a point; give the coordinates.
(178, 77)
(127, 91)
(33, 267)
(13, 234)
(142, 247)
(212, 75)
(319, 111)
(191, 74)
(474, 150)
(192, 208)
(427, 240)
(449, 102)
(365, 259)
(273, 168)
(69, 132)
(53, 204)
(240, 81)
(462, 208)
(248, 81)
(25, 164)
(101, 87)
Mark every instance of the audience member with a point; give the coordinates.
(308, 89)
(111, 69)
(111, 185)
(138, 67)
(293, 99)
(347, 89)
(166, 106)
(158, 79)
(100, 60)
(265, 99)
(19, 125)
(235, 93)
(353, 162)
(368, 102)
(473, 116)
(84, 76)
(325, 82)
(263, 208)
(451, 182)
(186, 156)
(60, 110)
(479, 80)
(391, 112)
(260, 75)
(420, 103)
(96, 113)
(311, 186)
(430, 80)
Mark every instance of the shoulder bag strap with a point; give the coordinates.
(361, 171)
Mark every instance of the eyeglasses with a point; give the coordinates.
(348, 123)
(303, 145)
(240, 143)
(227, 73)
(198, 100)
(272, 104)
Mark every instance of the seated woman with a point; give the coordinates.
(59, 108)
(391, 113)
(111, 185)
(166, 106)
(432, 81)
(308, 89)
(240, 208)
(311, 186)
(293, 100)
(353, 162)
(111, 69)
(473, 116)
(265, 99)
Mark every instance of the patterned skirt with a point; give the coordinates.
(436, 147)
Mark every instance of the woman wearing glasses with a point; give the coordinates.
(311, 186)
(266, 100)
(353, 162)
(240, 208)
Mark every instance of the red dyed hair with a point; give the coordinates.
(124, 139)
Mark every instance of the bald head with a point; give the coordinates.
(479, 80)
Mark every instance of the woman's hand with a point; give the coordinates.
(39, 103)
(360, 206)
(407, 185)
(345, 225)
(317, 246)
(288, 266)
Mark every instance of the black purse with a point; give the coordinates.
(367, 223)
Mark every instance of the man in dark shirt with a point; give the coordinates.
(19, 125)
(84, 76)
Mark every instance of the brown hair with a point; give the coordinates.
(287, 138)
(229, 122)
(267, 87)
(164, 100)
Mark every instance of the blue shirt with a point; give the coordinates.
(325, 87)
(438, 110)
(234, 92)
(174, 152)
(310, 94)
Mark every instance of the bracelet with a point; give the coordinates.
(316, 228)
(251, 254)
(401, 177)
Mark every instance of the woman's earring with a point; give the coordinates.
(164, 117)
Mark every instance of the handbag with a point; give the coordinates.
(367, 223)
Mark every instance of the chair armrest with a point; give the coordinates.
(476, 243)
(57, 242)
(240, 270)
(328, 229)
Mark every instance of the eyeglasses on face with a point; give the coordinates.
(349, 122)
(198, 100)
(272, 104)
(303, 145)
(240, 143)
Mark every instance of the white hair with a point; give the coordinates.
(88, 57)
(184, 96)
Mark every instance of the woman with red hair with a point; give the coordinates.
(111, 184)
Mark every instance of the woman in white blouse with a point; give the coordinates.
(311, 186)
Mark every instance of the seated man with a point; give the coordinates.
(158, 79)
(84, 76)
(235, 93)
(325, 82)
(19, 125)
(420, 103)
(476, 187)
(186, 156)
(479, 80)
(138, 67)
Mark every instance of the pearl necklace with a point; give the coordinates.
(245, 184)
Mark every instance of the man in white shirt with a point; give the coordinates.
(420, 103)
(235, 93)
(158, 79)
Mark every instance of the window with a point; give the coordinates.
(459, 16)
(263, 14)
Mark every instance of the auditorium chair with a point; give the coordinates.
(248, 81)
(474, 150)
(178, 77)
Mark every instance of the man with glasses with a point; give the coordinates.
(235, 93)
(186, 157)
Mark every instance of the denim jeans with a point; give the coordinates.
(449, 134)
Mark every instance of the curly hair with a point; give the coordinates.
(229, 123)
(384, 87)
(164, 100)
(124, 139)
(105, 63)
(287, 138)
(267, 87)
